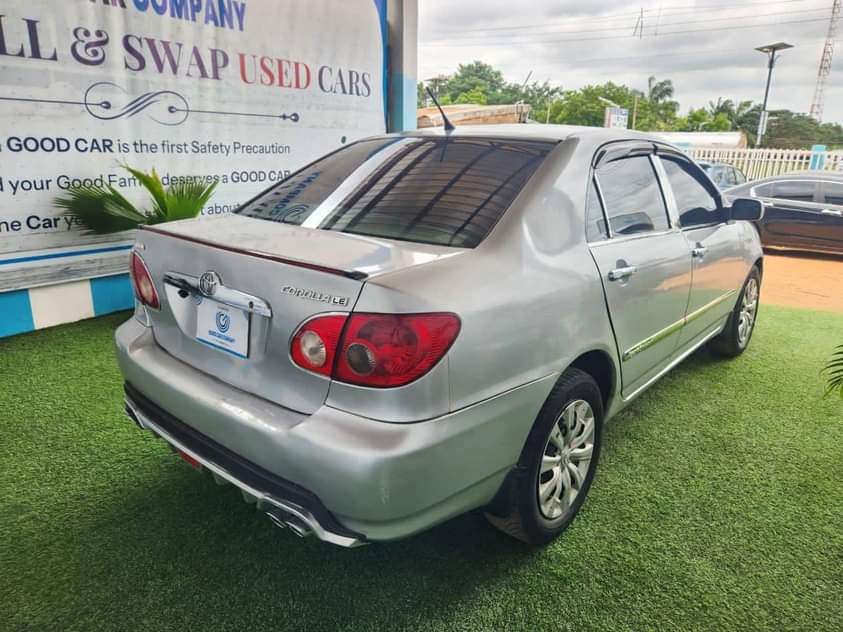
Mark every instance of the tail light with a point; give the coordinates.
(378, 350)
(315, 344)
(142, 281)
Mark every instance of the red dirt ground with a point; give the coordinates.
(811, 281)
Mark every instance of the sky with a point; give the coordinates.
(706, 47)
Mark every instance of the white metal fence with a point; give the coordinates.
(761, 163)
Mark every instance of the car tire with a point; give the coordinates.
(564, 442)
(735, 337)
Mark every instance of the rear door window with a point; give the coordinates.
(796, 190)
(763, 190)
(446, 191)
(833, 193)
(631, 193)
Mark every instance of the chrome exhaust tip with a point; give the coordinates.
(130, 413)
(288, 521)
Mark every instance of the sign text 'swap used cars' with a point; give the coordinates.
(418, 325)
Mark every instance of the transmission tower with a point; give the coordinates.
(825, 62)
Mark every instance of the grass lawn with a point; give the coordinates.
(718, 505)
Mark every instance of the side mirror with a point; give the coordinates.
(748, 209)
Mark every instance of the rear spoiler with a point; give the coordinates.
(349, 274)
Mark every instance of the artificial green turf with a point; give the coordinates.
(718, 505)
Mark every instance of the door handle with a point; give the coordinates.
(835, 212)
(699, 252)
(618, 274)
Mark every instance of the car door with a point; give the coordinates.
(793, 215)
(717, 269)
(831, 214)
(644, 264)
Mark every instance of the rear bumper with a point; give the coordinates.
(347, 478)
(286, 503)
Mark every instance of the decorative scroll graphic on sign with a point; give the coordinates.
(162, 106)
(107, 101)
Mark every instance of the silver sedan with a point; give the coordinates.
(422, 324)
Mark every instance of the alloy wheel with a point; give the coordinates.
(749, 308)
(566, 459)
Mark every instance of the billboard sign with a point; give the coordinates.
(238, 92)
(616, 117)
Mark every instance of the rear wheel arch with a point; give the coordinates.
(600, 366)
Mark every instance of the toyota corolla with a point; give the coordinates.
(422, 324)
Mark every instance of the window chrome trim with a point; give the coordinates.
(794, 205)
(674, 327)
(634, 236)
(773, 183)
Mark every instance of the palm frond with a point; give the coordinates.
(118, 200)
(834, 373)
(104, 210)
(152, 183)
(88, 205)
(185, 200)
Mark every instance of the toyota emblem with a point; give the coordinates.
(209, 282)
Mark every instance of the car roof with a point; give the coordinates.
(524, 131)
(804, 175)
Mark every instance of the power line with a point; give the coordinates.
(614, 37)
(655, 55)
(662, 24)
(666, 12)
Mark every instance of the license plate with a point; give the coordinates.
(222, 327)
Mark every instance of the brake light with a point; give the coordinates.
(142, 282)
(378, 350)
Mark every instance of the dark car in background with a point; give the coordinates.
(804, 211)
(723, 175)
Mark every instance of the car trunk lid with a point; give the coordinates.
(270, 278)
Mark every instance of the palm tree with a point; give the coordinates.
(834, 371)
(722, 106)
(659, 91)
(103, 210)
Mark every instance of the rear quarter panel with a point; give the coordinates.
(529, 298)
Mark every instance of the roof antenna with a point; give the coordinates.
(449, 127)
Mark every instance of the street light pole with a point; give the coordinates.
(770, 50)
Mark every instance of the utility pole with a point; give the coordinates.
(770, 50)
(639, 25)
(818, 101)
(634, 111)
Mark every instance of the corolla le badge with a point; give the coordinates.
(209, 282)
(315, 295)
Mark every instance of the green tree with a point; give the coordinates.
(584, 107)
(702, 120)
(472, 96)
(791, 130)
(659, 91)
(477, 76)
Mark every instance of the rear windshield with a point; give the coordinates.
(430, 190)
